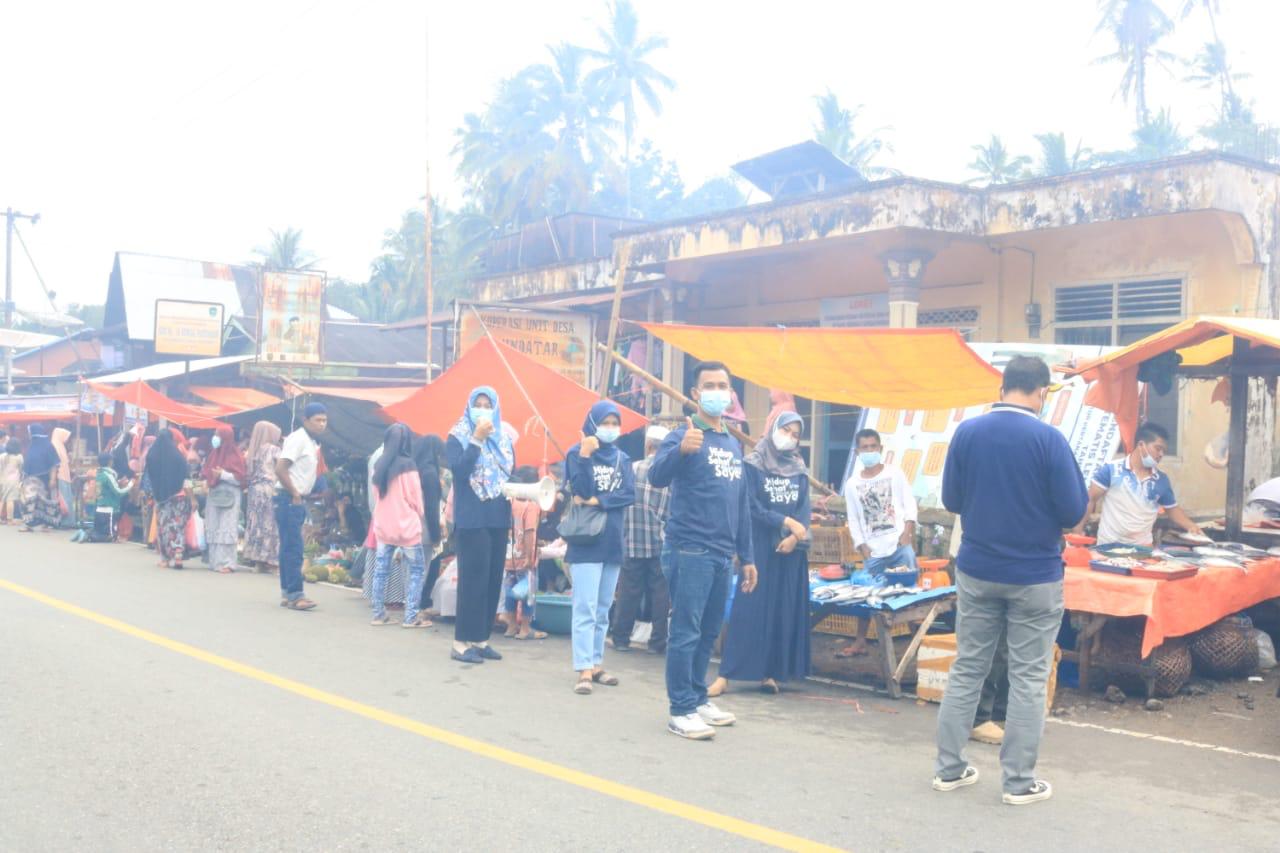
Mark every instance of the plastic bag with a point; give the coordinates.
(1266, 650)
(195, 533)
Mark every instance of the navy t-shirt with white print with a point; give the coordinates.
(708, 494)
(614, 483)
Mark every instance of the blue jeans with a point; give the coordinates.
(289, 520)
(698, 582)
(413, 590)
(904, 556)
(593, 586)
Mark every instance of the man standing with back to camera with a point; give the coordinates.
(1016, 486)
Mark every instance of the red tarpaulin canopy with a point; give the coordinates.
(561, 402)
(234, 400)
(145, 397)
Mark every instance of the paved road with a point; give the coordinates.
(112, 738)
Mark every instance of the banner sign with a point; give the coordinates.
(917, 441)
(292, 317)
(867, 310)
(188, 328)
(560, 340)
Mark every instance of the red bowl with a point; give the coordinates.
(833, 573)
(933, 565)
(1080, 541)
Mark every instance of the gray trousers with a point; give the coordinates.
(1031, 616)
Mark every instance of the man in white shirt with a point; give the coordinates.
(882, 518)
(296, 472)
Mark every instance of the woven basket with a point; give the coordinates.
(1122, 644)
(1223, 650)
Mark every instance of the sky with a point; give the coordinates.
(190, 130)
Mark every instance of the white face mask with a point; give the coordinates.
(784, 440)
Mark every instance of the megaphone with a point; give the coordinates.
(543, 491)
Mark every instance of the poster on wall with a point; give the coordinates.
(292, 317)
(560, 340)
(188, 328)
(917, 441)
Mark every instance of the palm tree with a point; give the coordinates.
(1137, 26)
(1054, 159)
(626, 71)
(285, 252)
(834, 131)
(1158, 138)
(1210, 67)
(995, 165)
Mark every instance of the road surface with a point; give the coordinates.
(147, 709)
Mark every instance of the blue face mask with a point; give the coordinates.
(216, 441)
(869, 458)
(715, 401)
(608, 434)
(479, 416)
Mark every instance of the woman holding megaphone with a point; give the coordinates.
(603, 485)
(481, 458)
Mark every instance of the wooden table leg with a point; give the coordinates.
(1090, 628)
(910, 653)
(887, 663)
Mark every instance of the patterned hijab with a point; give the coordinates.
(497, 454)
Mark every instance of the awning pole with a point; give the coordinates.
(619, 279)
(1237, 436)
(747, 441)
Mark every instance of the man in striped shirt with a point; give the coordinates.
(642, 525)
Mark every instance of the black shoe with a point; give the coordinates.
(657, 650)
(619, 647)
(471, 655)
(487, 652)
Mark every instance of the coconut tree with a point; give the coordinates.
(1158, 138)
(1210, 67)
(995, 164)
(626, 71)
(284, 252)
(834, 130)
(1057, 159)
(1137, 26)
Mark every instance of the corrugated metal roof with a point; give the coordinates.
(146, 278)
(170, 369)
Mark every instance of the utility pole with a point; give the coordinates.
(9, 216)
(426, 243)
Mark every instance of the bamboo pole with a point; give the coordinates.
(615, 315)
(746, 440)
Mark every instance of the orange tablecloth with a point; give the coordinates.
(1172, 608)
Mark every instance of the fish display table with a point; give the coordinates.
(923, 607)
(1172, 608)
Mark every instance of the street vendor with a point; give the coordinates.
(1133, 490)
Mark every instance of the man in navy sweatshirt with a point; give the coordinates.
(708, 526)
(1016, 486)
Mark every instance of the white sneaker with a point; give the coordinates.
(1040, 790)
(713, 716)
(968, 777)
(691, 727)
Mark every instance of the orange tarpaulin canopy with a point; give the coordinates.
(1200, 341)
(561, 404)
(233, 400)
(883, 368)
(1172, 608)
(142, 395)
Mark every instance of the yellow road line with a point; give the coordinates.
(626, 793)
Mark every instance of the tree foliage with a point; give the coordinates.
(995, 164)
(834, 130)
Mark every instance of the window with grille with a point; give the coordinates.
(1118, 314)
(963, 320)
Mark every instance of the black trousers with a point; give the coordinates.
(482, 554)
(641, 575)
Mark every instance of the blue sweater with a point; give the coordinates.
(708, 494)
(1015, 484)
(469, 512)
(614, 484)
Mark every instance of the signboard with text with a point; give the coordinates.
(188, 328)
(560, 340)
(292, 317)
(863, 310)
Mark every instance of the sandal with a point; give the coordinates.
(583, 687)
(531, 635)
(605, 678)
(511, 631)
(770, 686)
(380, 620)
(419, 621)
(225, 570)
(299, 604)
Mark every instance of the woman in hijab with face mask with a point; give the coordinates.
(482, 459)
(261, 536)
(768, 638)
(167, 471)
(39, 484)
(599, 475)
(225, 474)
(397, 523)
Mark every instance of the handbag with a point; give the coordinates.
(583, 524)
